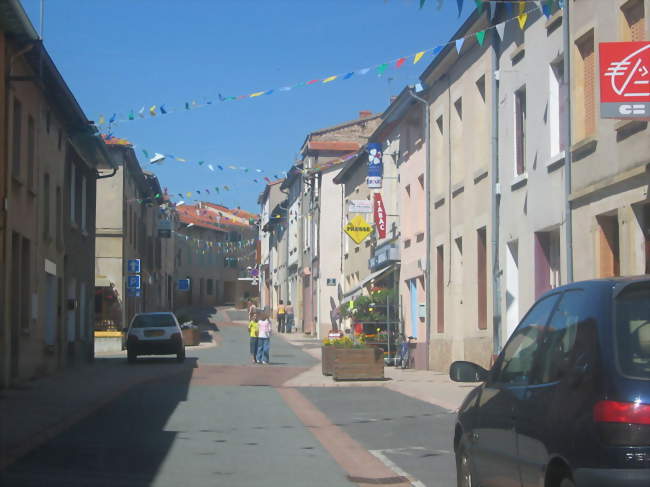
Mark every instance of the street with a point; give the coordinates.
(218, 419)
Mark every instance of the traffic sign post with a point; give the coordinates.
(134, 282)
(183, 284)
(133, 266)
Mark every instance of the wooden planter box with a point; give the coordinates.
(358, 363)
(328, 354)
(191, 337)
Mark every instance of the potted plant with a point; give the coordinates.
(346, 359)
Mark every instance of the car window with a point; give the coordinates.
(146, 321)
(632, 329)
(570, 337)
(516, 362)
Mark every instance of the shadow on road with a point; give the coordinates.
(122, 444)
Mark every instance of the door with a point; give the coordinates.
(494, 448)
(554, 401)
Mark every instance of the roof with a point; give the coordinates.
(264, 194)
(341, 177)
(333, 145)
(336, 127)
(188, 215)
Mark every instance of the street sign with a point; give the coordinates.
(375, 165)
(359, 206)
(134, 293)
(133, 282)
(133, 266)
(625, 80)
(183, 284)
(357, 229)
(331, 281)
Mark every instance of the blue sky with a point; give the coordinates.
(120, 55)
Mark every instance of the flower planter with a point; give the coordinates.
(328, 354)
(358, 364)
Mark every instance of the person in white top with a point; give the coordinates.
(264, 339)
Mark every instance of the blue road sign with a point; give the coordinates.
(133, 282)
(135, 293)
(183, 284)
(133, 266)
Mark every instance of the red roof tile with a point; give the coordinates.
(335, 145)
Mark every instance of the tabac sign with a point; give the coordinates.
(625, 80)
(380, 216)
(358, 229)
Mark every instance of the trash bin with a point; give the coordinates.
(191, 334)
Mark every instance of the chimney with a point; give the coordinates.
(393, 98)
(365, 114)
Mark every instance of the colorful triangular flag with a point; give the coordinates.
(480, 37)
(501, 29)
(162, 109)
(523, 15)
(400, 62)
(418, 56)
(152, 110)
(459, 44)
(460, 6)
(381, 68)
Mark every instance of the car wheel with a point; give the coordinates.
(180, 356)
(131, 356)
(567, 482)
(464, 470)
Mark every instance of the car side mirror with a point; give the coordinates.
(462, 371)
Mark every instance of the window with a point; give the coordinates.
(570, 338)
(481, 276)
(16, 139)
(520, 131)
(46, 206)
(512, 285)
(83, 202)
(547, 261)
(31, 151)
(480, 86)
(515, 364)
(633, 331)
(584, 92)
(608, 246)
(457, 144)
(59, 143)
(556, 107)
(59, 216)
(73, 193)
(440, 289)
(633, 13)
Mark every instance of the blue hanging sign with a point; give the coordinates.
(375, 165)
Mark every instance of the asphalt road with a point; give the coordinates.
(218, 420)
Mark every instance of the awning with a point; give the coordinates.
(356, 291)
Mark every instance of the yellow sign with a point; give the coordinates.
(358, 229)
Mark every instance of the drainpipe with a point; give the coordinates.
(427, 192)
(496, 199)
(568, 225)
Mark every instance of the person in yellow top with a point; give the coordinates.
(281, 315)
(253, 332)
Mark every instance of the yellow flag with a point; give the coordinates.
(257, 94)
(152, 110)
(331, 78)
(180, 159)
(189, 194)
(102, 120)
(523, 16)
(418, 56)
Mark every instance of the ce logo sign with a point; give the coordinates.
(632, 109)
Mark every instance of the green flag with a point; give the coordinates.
(422, 3)
(381, 68)
(480, 37)
(131, 115)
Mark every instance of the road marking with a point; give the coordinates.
(390, 464)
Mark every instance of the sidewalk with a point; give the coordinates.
(32, 415)
(425, 385)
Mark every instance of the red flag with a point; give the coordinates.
(267, 180)
(400, 62)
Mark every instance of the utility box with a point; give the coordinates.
(422, 310)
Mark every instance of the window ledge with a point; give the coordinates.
(556, 161)
(583, 148)
(519, 181)
(480, 174)
(518, 54)
(457, 189)
(627, 128)
(554, 21)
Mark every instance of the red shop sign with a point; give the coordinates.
(624, 80)
(380, 215)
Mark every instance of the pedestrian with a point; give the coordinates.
(253, 332)
(251, 309)
(281, 316)
(263, 340)
(288, 325)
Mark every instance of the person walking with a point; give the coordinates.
(253, 331)
(288, 324)
(263, 340)
(252, 309)
(281, 316)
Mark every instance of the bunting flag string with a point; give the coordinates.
(521, 16)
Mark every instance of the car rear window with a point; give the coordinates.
(632, 311)
(147, 321)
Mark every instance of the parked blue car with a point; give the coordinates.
(567, 402)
